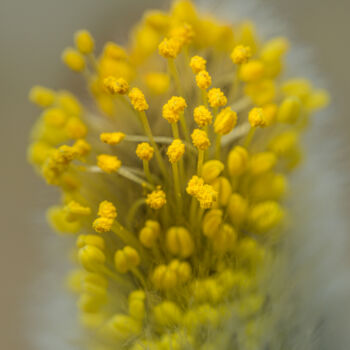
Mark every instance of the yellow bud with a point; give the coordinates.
(138, 100)
(202, 116)
(216, 98)
(156, 199)
(107, 210)
(197, 64)
(203, 80)
(55, 117)
(41, 96)
(114, 51)
(116, 86)
(274, 49)
(126, 259)
(241, 54)
(297, 87)
(95, 279)
(200, 139)
(252, 71)
(175, 151)
(257, 118)
(184, 34)
(102, 224)
(75, 210)
(211, 222)
(149, 233)
(109, 164)
(225, 121)
(262, 162)
(211, 170)
(167, 314)
(237, 161)
(58, 221)
(169, 48)
(179, 242)
(84, 42)
(318, 99)
(82, 147)
(144, 151)
(173, 109)
(91, 258)
(289, 110)
(73, 59)
(225, 240)
(237, 209)
(224, 189)
(112, 138)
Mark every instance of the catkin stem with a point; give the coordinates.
(177, 189)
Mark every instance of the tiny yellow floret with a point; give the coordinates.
(169, 48)
(107, 210)
(107, 163)
(198, 64)
(216, 98)
(156, 199)
(84, 42)
(203, 80)
(138, 100)
(200, 139)
(116, 86)
(202, 116)
(225, 121)
(241, 54)
(144, 151)
(73, 59)
(173, 109)
(257, 118)
(112, 138)
(175, 151)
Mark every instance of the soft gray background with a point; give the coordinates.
(32, 35)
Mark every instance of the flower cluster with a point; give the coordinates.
(195, 136)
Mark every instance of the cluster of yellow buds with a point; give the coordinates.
(200, 204)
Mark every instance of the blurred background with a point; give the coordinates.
(32, 36)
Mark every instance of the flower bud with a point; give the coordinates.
(225, 121)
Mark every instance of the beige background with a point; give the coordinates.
(32, 35)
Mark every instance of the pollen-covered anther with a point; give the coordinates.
(102, 224)
(241, 54)
(107, 209)
(289, 110)
(194, 185)
(112, 138)
(257, 118)
(225, 121)
(211, 170)
(137, 304)
(184, 34)
(203, 80)
(91, 258)
(84, 42)
(138, 100)
(175, 151)
(169, 48)
(109, 164)
(156, 199)
(179, 242)
(173, 109)
(82, 147)
(200, 139)
(126, 259)
(252, 71)
(202, 116)
(224, 189)
(73, 59)
(116, 86)
(75, 210)
(92, 240)
(237, 161)
(207, 196)
(41, 96)
(216, 98)
(197, 64)
(157, 82)
(144, 151)
(149, 233)
(212, 222)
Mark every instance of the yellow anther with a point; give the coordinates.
(224, 189)
(225, 240)
(200, 139)
(184, 34)
(39, 152)
(297, 87)
(269, 186)
(237, 161)
(289, 110)
(284, 143)
(173, 109)
(114, 51)
(183, 269)
(225, 121)
(318, 99)
(156, 199)
(169, 48)
(69, 103)
(202, 116)
(216, 98)
(112, 138)
(75, 128)
(107, 210)
(116, 86)
(94, 279)
(262, 162)
(138, 100)
(211, 170)
(74, 211)
(123, 327)
(41, 96)
(184, 10)
(179, 242)
(102, 224)
(107, 163)
(203, 80)
(198, 64)
(237, 209)
(55, 117)
(252, 71)
(270, 113)
(137, 304)
(144, 151)
(82, 147)
(175, 151)
(149, 233)
(194, 186)
(207, 197)
(91, 240)
(159, 20)
(167, 314)
(264, 216)
(158, 82)
(91, 258)
(274, 49)
(261, 92)
(241, 54)
(257, 118)
(212, 222)
(58, 221)
(84, 42)
(73, 59)
(126, 259)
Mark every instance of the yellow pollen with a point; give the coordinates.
(202, 116)
(82, 147)
(175, 151)
(84, 42)
(74, 210)
(200, 139)
(257, 118)
(107, 163)
(112, 138)
(107, 210)
(225, 121)
(102, 224)
(216, 98)
(203, 80)
(73, 59)
(138, 100)
(241, 54)
(144, 151)
(198, 64)
(156, 199)
(169, 48)
(116, 86)
(173, 109)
